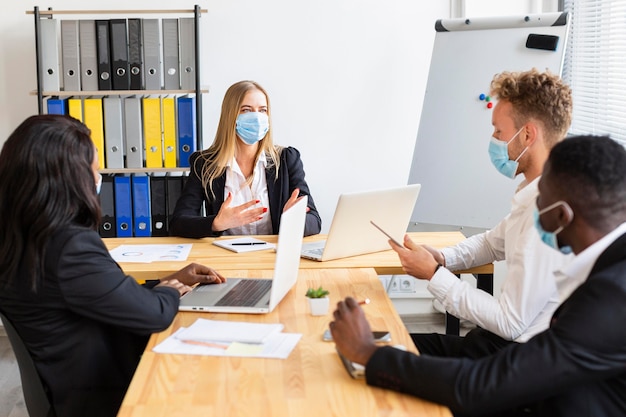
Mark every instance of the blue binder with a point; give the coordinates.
(141, 206)
(57, 105)
(123, 207)
(186, 129)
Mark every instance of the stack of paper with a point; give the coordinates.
(228, 338)
(204, 330)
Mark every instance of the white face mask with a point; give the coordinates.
(549, 238)
(499, 155)
(252, 127)
(99, 184)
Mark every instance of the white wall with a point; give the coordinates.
(474, 8)
(346, 77)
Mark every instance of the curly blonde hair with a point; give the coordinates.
(542, 96)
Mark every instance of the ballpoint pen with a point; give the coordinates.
(206, 344)
(248, 243)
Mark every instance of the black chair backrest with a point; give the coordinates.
(37, 401)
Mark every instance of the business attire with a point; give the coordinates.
(87, 324)
(575, 368)
(187, 221)
(528, 296)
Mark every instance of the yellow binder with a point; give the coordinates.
(94, 121)
(169, 132)
(152, 132)
(75, 108)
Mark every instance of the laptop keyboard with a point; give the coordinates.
(246, 293)
(317, 251)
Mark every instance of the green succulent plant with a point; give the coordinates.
(317, 292)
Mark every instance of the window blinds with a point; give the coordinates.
(595, 66)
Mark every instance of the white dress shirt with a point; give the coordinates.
(242, 193)
(529, 294)
(572, 275)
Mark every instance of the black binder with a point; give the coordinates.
(107, 206)
(174, 190)
(104, 58)
(158, 201)
(119, 54)
(135, 56)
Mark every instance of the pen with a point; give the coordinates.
(207, 344)
(366, 301)
(248, 243)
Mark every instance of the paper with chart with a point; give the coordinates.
(151, 253)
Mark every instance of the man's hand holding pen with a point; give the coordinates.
(351, 331)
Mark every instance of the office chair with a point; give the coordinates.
(35, 397)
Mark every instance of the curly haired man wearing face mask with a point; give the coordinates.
(532, 115)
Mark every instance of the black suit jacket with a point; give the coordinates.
(87, 325)
(186, 220)
(575, 368)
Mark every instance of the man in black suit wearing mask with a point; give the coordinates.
(577, 366)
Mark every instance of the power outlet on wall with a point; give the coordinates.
(402, 284)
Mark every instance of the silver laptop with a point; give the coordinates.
(241, 295)
(351, 232)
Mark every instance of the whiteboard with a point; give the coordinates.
(460, 186)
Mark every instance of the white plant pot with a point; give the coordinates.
(319, 306)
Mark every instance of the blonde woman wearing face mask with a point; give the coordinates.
(244, 180)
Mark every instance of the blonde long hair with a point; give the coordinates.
(222, 151)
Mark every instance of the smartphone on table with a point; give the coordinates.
(379, 336)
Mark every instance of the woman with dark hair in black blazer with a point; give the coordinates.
(84, 322)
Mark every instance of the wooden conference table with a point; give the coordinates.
(223, 260)
(204, 252)
(310, 382)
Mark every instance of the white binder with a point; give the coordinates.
(133, 132)
(114, 132)
(88, 55)
(49, 55)
(151, 54)
(70, 55)
(187, 53)
(171, 76)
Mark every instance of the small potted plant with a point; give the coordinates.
(318, 301)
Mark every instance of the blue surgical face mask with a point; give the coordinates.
(251, 127)
(99, 184)
(499, 155)
(549, 238)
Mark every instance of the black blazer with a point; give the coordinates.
(87, 325)
(186, 220)
(575, 368)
